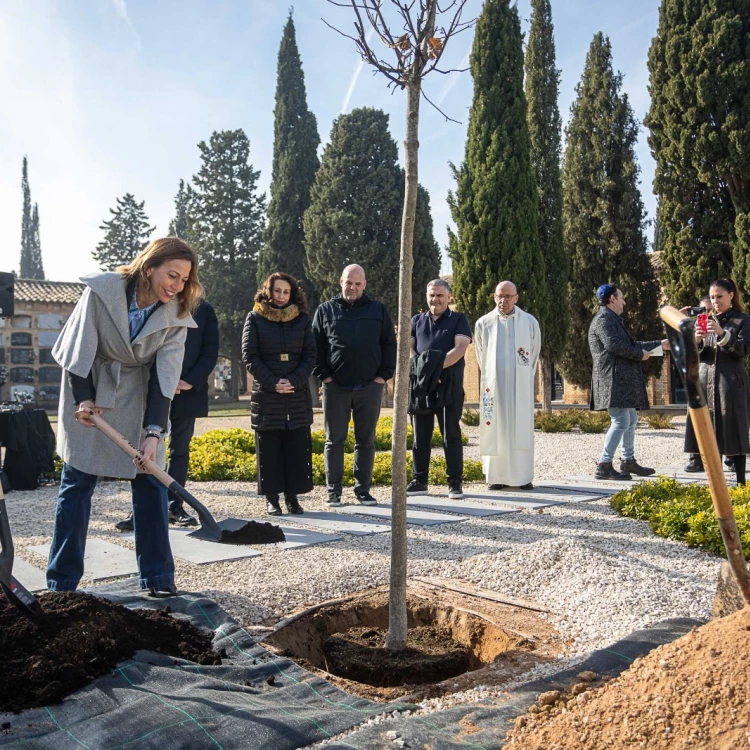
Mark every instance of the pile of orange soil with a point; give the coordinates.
(691, 693)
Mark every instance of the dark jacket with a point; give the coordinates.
(430, 386)
(617, 380)
(201, 354)
(278, 343)
(725, 383)
(356, 342)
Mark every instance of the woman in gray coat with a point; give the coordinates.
(122, 351)
(723, 348)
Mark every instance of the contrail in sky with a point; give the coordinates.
(355, 78)
(453, 77)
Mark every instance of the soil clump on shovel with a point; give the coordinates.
(253, 533)
(689, 693)
(80, 637)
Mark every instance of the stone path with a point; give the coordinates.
(104, 560)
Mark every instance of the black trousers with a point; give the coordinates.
(449, 421)
(284, 461)
(180, 434)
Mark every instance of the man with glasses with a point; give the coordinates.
(507, 342)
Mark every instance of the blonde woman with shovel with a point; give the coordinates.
(122, 351)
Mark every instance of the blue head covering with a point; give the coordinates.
(604, 291)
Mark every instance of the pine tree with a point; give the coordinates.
(31, 252)
(603, 216)
(699, 123)
(36, 243)
(295, 162)
(225, 222)
(495, 203)
(126, 234)
(178, 227)
(355, 209)
(545, 131)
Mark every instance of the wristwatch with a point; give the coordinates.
(153, 430)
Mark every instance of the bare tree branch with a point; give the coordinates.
(447, 119)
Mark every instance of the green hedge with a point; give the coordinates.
(565, 421)
(684, 512)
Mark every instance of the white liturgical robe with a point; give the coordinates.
(507, 349)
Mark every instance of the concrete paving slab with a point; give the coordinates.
(29, 575)
(467, 506)
(518, 501)
(418, 517)
(331, 521)
(102, 559)
(201, 552)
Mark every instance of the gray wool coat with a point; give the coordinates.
(617, 379)
(96, 339)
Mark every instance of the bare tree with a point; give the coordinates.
(413, 42)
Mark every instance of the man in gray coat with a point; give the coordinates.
(617, 382)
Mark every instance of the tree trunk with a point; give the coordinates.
(397, 623)
(546, 366)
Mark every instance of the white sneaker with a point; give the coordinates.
(455, 492)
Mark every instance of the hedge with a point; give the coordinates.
(684, 512)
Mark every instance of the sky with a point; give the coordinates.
(107, 97)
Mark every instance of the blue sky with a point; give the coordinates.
(111, 96)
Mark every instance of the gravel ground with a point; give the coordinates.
(600, 575)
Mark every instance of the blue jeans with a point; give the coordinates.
(624, 422)
(152, 550)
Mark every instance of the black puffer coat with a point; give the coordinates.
(617, 379)
(278, 343)
(725, 383)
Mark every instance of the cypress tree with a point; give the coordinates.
(425, 250)
(603, 217)
(495, 202)
(295, 162)
(225, 222)
(699, 122)
(178, 226)
(545, 132)
(36, 244)
(355, 208)
(31, 252)
(126, 234)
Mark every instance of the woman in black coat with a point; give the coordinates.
(722, 351)
(278, 349)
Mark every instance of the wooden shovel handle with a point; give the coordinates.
(149, 466)
(672, 316)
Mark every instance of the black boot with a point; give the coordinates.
(607, 471)
(273, 508)
(633, 467)
(292, 505)
(694, 464)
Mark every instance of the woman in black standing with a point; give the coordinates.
(723, 348)
(278, 349)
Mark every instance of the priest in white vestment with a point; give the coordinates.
(507, 342)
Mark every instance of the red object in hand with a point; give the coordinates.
(702, 322)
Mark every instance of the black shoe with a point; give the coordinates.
(334, 500)
(162, 592)
(496, 487)
(729, 462)
(633, 467)
(455, 491)
(126, 524)
(694, 464)
(273, 508)
(415, 487)
(527, 486)
(181, 518)
(607, 471)
(292, 505)
(365, 498)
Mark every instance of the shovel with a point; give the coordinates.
(17, 595)
(681, 335)
(209, 529)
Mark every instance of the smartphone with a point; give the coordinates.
(702, 322)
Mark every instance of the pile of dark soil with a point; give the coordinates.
(430, 655)
(692, 692)
(80, 637)
(254, 533)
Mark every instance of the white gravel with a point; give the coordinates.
(600, 575)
